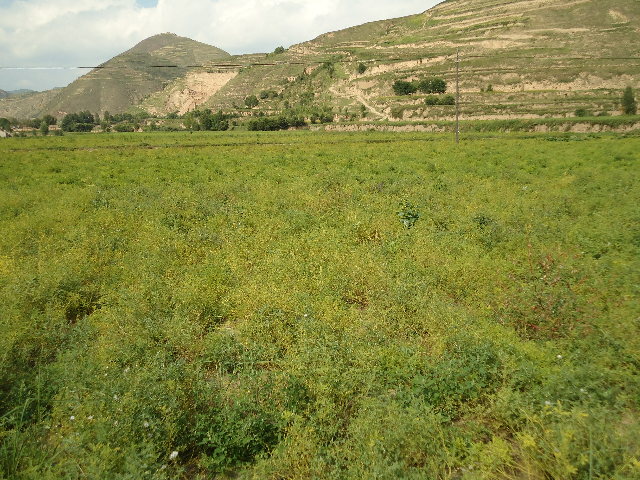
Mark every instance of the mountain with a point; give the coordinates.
(27, 105)
(537, 58)
(127, 78)
(22, 91)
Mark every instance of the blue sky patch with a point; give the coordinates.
(147, 3)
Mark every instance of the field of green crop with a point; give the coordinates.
(314, 305)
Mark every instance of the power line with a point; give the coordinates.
(319, 62)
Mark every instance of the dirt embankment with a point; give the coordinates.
(195, 89)
(581, 127)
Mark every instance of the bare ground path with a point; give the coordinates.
(360, 99)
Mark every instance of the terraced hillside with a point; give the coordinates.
(518, 59)
(541, 58)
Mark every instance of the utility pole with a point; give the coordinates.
(458, 96)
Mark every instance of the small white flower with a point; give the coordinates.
(126, 370)
(105, 374)
(90, 417)
(115, 424)
(173, 455)
(548, 403)
(72, 418)
(560, 356)
(146, 424)
(583, 390)
(115, 397)
(163, 467)
(305, 314)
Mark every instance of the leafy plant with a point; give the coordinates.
(408, 214)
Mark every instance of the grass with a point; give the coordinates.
(314, 305)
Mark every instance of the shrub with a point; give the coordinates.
(251, 101)
(268, 94)
(629, 104)
(362, 68)
(272, 123)
(329, 67)
(44, 128)
(433, 85)
(124, 127)
(402, 87)
(581, 112)
(397, 112)
(431, 100)
(279, 50)
(447, 100)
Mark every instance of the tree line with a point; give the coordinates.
(428, 85)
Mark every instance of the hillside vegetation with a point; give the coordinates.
(127, 78)
(540, 58)
(518, 59)
(314, 305)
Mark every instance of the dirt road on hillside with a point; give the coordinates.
(356, 96)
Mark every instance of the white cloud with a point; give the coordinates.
(70, 33)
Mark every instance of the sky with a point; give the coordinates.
(72, 33)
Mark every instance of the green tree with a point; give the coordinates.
(629, 104)
(431, 100)
(329, 67)
(50, 119)
(5, 124)
(401, 87)
(251, 101)
(44, 128)
(432, 85)
(362, 68)
(279, 50)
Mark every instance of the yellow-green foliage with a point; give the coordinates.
(311, 305)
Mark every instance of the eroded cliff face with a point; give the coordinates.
(188, 93)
